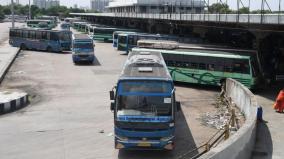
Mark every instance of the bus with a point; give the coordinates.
(65, 26)
(77, 25)
(53, 19)
(211, 66)
(144, 104)
(40, 24)
(103, 33)
(128, 41)
(82, 48)
(48, 40)
(115, 36)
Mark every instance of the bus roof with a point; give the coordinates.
(196, 52)
(145, 65)
(34, 29)
(81, 37)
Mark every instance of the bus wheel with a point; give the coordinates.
(23, 47)
(49, 49)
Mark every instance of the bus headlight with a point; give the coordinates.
(172, 124)
(121, 138)
(167, 138)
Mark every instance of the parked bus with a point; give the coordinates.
(50, 40)
(128, 41)
(40, 24)
(82, 48)
(65, 26)
(144, 104)
(77, 25)
(115, 36)
(211, 66)
(103, 33)
(53, 19)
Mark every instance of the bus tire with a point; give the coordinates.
(23, 47)
(49, 49)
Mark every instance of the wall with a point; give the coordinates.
(240, 145)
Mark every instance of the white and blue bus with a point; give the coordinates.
(115, 36)
(45, 40)
(144, 104)
(65, 26)
(127, 41)
(82, 48)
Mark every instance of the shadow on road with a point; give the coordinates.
(263, 144)
(271, 92)
(184, 143)
(198, 86)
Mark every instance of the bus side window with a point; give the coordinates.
(12, 33)
(193, 65)
(211, 67)
(227, 68)
(38, 35)
(32, 35)
(48, 36)
(202, 66)
(26, 34)
(19, 33)
(44, 35)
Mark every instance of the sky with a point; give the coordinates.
(255, 4)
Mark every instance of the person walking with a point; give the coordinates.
(279, 103)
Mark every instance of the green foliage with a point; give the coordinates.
(62, 11)
(1, 13)
(219, 8)
(244, 10)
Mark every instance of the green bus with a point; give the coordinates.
(104, 33)
(40, 24)
(211, 66)
(53, 19)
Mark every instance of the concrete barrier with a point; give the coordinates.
(239, 145)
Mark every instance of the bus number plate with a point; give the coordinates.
(144, 144)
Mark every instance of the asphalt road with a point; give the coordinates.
(69, 116)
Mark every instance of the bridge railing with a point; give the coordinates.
(225, 18)
(277, 19)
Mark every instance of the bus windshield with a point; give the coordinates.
(122, 39)
(148, 98)
(83, 45)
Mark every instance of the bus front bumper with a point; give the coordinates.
(78, 58)
(163, 144)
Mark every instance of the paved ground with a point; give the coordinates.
(4, 30)
(270, 136)
(70, 106)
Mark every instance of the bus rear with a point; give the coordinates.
(82, 48)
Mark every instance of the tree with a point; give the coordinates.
(244, 10)
(219, 8)
(2, 16)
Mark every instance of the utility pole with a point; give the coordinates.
(30, 14)
(13, 16)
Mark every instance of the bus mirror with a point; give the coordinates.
(178, 106)
(111, 95)
(112, 106)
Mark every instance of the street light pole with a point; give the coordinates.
(30, 15)
(12, 10)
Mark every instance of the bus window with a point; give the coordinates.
(38, 35)
(44, 35)
(228, 68)
(32, 35)
(131, 40)
(53, 36)
(19, 33)
(25, 34)
(211, 67)
(202, 66)
(193, 65)
(241, 67)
